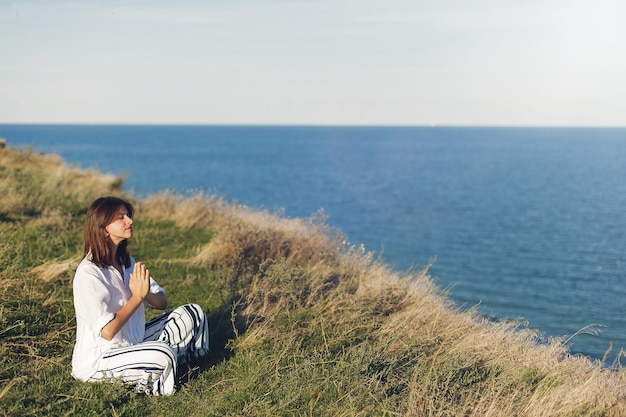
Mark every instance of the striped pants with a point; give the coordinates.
(171, 339)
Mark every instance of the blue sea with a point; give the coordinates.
(524, 223)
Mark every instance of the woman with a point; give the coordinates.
(113, 340)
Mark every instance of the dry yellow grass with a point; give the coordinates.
(300, 265)
(25, 173)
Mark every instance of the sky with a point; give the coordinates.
(326, 62)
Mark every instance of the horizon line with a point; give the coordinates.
(314, 125)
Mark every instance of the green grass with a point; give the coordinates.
(300, 324)
(37, 318)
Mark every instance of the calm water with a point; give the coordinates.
(528, 223)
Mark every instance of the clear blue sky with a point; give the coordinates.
(391, 62)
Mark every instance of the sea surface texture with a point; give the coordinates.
(524, 223)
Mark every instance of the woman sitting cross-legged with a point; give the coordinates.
(113, 340)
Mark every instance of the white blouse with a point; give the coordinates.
(99, 293)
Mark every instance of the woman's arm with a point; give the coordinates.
(157, 300)
(139, 285)
(121, 317)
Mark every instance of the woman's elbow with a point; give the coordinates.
(158, 301)
(162, 304)
(106, 334)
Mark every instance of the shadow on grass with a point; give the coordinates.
(4, 218)
(222, 329)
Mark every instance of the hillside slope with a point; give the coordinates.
(301, 323)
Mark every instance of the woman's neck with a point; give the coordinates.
(117, 264)
(113, 248)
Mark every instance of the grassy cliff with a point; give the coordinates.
(301, 323)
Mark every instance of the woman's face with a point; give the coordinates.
(120, 227)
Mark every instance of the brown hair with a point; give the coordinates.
(100, 214)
